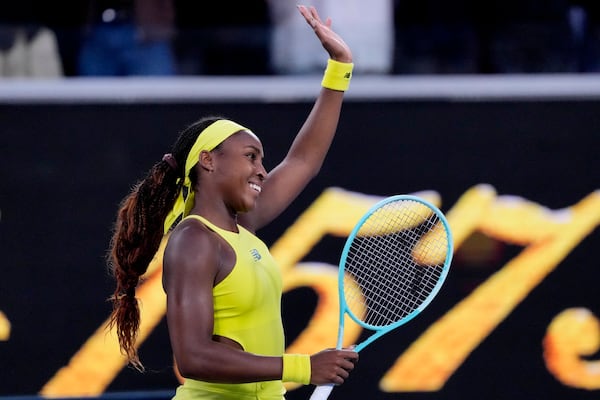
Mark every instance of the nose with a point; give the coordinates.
(262, 172)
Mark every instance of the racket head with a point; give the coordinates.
(394, 262)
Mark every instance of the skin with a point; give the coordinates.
(228, 194)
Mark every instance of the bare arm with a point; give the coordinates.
(191, 266)
(310, 146)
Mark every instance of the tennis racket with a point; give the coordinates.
(393, 264)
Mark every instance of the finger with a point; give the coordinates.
(342, 373)
(348, 366)
(338, 380)
(305, 13)
(309, 16)
(315, 15)
(349, 354)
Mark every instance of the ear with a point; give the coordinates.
(206, 161)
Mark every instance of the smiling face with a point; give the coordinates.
(239, 171)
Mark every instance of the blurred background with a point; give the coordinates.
(394, 37)
(491, 108)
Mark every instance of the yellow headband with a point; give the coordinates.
(207, 140)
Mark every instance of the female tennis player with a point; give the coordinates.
(212, 193)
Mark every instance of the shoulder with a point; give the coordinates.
(189, 231)
(191, 239)
(191, 248)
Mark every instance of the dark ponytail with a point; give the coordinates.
(138, 232)
(136, 238)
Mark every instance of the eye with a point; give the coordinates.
(252, 156)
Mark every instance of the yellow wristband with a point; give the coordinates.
(296, 368)
(337, 75)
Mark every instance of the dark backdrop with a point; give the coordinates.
(65, 167)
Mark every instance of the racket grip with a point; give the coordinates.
(321, 392)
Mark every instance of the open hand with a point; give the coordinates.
(332, 42)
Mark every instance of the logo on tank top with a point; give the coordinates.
(255, 254)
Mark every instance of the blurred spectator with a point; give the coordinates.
(585, 23)
(128, 37)
(29, 52)
(166, 37)
(367, 27)
(27, 47)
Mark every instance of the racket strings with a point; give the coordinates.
(386, 278)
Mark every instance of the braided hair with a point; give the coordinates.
(138, 232)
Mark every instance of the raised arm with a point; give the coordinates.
(311, 144)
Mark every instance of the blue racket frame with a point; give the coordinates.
(380, 331)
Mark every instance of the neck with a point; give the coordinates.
(215, 211)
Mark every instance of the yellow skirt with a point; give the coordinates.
(198, 390)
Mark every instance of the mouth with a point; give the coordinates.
(255, 187)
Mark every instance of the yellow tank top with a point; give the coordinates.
(247, 309)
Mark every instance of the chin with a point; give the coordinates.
(247, 207)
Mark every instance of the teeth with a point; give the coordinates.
(255, 187)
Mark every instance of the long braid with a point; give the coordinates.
(137, 236)
(138, 232)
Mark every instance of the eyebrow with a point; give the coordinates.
(258, 150)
